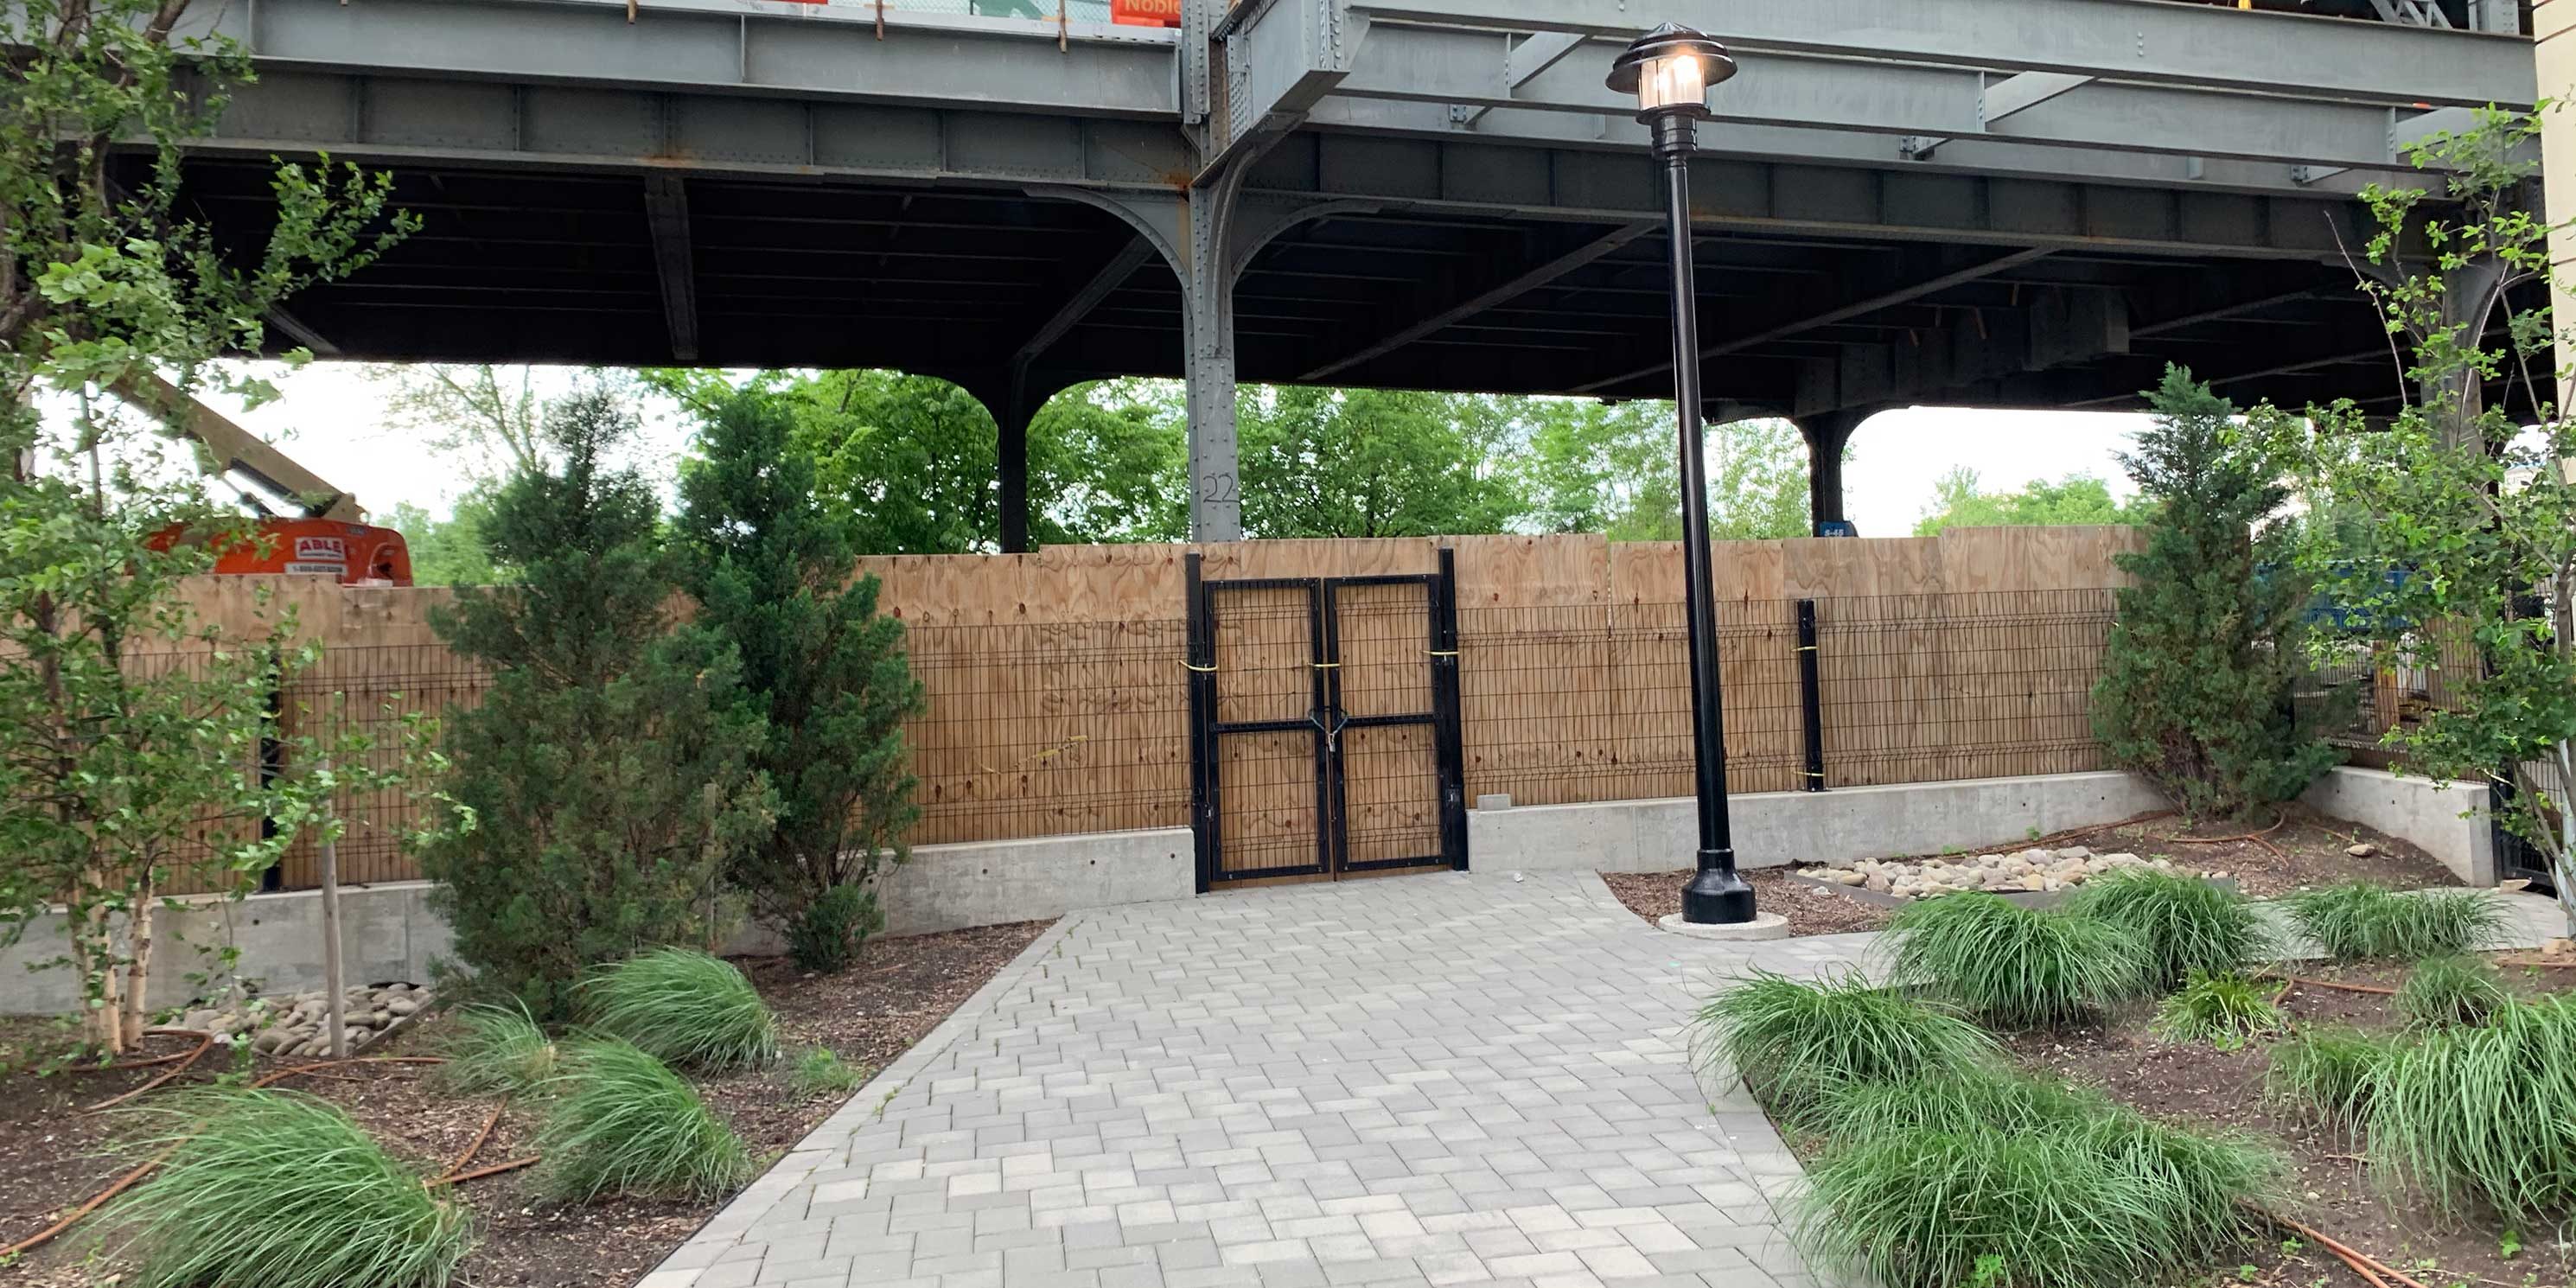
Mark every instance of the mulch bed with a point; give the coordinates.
(1811, 911)
(51, 1155)
(2332, 1190)
(2305, 849)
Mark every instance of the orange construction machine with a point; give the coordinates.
(324, 538)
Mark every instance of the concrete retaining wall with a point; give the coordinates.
(2448, 820)
(1773, 828)
(390, 933)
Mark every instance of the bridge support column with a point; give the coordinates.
(1013, 398)
(2471, 295)
(1828, 434)
(1011, 456)
(1207, 236)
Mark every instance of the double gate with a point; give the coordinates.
(1324, 725)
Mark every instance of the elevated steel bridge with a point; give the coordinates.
(2027, 203)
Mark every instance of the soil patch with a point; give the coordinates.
(1810, 910)
(2331, 1189)
(52, 1157)
(2304, 849)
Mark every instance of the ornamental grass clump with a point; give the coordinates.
(822, 1072)
(276, 1189)
(2017, 966)
(2446, 992)
(2189, 925)
(622, 1123)
(2104, 1199)
(2480, 1115)
(2226, 1011)
(2357, 920)
(1792, 1040)
(494, 1050)
(1958, 1100)
(686, 1007)
(2330, 1072)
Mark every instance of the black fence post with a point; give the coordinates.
(1201, 672)
(1811, 702)
(1445, 703)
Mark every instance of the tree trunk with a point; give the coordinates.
(334, 985)
(138, 970)
(103, 1025)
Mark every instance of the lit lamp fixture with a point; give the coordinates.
(1670, 70)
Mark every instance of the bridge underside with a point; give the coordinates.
(513, 266)
(2007, 203)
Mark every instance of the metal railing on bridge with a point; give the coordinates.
(1137, 13)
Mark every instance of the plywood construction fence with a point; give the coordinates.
(1057, 701)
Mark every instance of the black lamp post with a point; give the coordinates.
(1670, 70)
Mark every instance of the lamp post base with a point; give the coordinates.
(1769, 925)
(1718, 896)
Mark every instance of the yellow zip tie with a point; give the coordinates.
(1328, 666)
(1806, 648)
(1434, 652)
(1203, 670)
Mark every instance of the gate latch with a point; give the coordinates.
(1332, 721)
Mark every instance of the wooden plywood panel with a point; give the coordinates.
(1382, 649)
(1266, 802)
(1390, 794)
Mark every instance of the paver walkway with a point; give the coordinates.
(1440, 1079)
(1444, 1079)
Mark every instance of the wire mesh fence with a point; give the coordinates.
(1055, 729)
(1593, 703)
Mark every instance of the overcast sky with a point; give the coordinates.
(332, 419)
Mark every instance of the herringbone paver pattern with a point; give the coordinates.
(1441, 1079)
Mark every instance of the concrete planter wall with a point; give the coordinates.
(2448, 820)
(392, 935)
(1773, 828)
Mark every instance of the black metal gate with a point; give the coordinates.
(1324, 725)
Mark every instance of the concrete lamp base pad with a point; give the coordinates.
(1765, 925)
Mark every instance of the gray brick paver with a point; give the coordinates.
(1444, 1079)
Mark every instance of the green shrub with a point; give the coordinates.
(494, 1050)
(827, 935)
(2357, 920)
(1791, 1040)
(2225, 1011)
(2482, 1114)
(280, 1190)
(821, 1072)
(2017, 966)
(609, 769)
(2443, 992)
(623, 1123)
(1958, 1100)
(2103, 1200)
(2330, 1072)
(2189, 925)
(684, 1006)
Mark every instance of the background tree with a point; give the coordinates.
(1372, 463)
(488, 418)
(1959, 502)
(1613, 468)
(2197, 682)
(769, 562)
(609, 774)
(915, 458)
(449, 551)
(108, 755)
(2468, 563)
